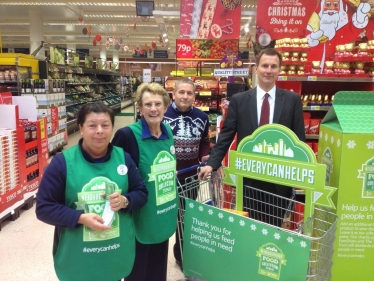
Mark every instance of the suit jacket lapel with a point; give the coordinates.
(278, 106)
(253, 108)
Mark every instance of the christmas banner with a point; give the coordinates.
(342, 23)
(278, 19)
(208, 19)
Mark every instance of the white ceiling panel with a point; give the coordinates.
(61, 24)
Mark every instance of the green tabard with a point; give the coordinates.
(157, 220)
(85, 254)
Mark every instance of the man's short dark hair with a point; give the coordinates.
(269, 52)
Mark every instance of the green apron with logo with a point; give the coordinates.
(157, 220)
(85, 254)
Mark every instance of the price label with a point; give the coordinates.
(205, 93)
(282, 78)
(315, 107)
(312, 78)
(203, 108)
(184, 49)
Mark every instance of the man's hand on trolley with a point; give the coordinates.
(204, 172)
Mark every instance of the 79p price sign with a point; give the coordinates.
(184, 49)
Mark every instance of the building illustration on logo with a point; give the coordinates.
(278, 148)
(328, 161)
(367, 176)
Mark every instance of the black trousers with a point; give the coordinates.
(151, 262)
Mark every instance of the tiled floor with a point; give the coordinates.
(26, 243)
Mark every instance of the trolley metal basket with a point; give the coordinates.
(319, 229)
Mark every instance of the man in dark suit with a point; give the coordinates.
(243, 118)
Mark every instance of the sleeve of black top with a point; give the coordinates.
(138, 193)
(50, 199)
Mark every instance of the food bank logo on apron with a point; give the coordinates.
(91, 201)
(163, 173)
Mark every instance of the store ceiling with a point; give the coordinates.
(61, 25)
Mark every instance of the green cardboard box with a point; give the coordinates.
(346, 146)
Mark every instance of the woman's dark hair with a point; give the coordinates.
(95, 107)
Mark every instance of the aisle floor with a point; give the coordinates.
(26, 243)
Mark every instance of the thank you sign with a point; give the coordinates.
(220, 246)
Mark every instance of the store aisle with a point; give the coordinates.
(26, 243)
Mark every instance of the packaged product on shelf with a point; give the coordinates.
(305, 99)
(310, 144)
(315, 148)
(326, 100)
(314, 126)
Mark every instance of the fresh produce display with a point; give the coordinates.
(57, 55)
(214, 49)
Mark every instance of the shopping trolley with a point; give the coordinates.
(288, 217)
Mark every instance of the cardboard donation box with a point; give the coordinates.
(346, 147)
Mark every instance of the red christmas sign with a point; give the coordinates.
(342, 23)
(209, 19)
(278, 19)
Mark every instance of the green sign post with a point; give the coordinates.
(275, 154)
(220, 245)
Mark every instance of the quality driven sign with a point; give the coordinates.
(273, 153)
(231, 72)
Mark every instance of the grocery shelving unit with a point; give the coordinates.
(323, 85)
(14, 68)
(84, 85)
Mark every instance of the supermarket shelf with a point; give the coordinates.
(77, 93)
(312, 137)
(316, 108)
(90, 83)
(321, 78)
(126, 103)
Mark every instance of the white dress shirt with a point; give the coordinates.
(260, 98)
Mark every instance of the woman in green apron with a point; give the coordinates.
(89, 192)
(151, 144)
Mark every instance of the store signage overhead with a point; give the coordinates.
(205, 49)
(160, 54)
(282, 18)
(210, 19)
(231, 72)
(22, 50)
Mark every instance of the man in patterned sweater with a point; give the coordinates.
(190, 128)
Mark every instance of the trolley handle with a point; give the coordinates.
(185, 170)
